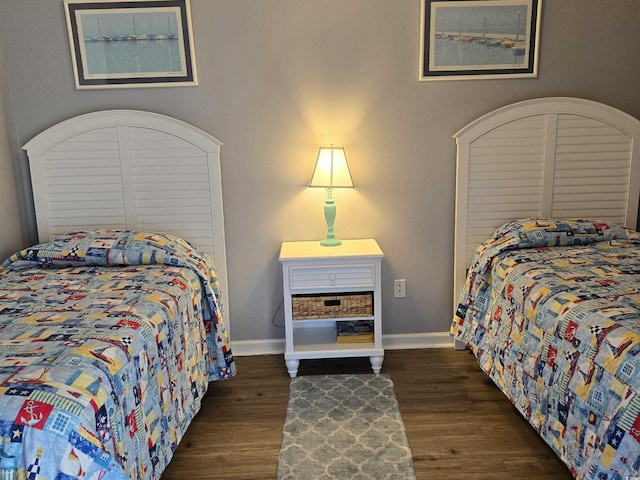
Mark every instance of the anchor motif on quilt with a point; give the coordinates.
(33, 418)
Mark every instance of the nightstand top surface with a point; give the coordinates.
(312, 250)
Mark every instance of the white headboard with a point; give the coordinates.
(547, 157)
(135, 170)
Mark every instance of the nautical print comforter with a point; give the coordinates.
(551, 309)
(108, 340)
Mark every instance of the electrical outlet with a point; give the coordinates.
(400, 288)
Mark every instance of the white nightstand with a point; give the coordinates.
(344, 284)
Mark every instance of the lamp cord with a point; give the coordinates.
(273, 318)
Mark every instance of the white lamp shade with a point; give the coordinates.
(332, 169)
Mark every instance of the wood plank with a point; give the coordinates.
(458, 423)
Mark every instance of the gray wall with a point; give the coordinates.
(10, 225)
(279, 78)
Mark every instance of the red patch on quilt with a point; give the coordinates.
(33, 414)
(570, 333)
(179, 283)
(132, 423)
(180, 362)
(32, 278)
(635, 429)
(551, 356)
(125, 322)
(75, 296)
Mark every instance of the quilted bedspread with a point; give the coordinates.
(551, 309)
(108, 341)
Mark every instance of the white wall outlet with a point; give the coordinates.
(400, 288)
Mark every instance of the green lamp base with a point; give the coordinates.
(330, 217)
(331, 242)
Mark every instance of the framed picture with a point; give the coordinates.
(479, 39)
(123, 44)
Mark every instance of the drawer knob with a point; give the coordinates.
(332, 277)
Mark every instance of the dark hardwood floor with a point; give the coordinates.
(459, 424)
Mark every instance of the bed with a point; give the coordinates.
(547, 273)
(114, 325)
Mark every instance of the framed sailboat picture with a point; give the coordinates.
(124, 44)
(479, 39)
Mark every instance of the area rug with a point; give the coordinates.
(344, 427)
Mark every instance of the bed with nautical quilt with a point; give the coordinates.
(551, 309)
(108, 342)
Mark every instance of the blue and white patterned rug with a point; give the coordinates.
(344, 427)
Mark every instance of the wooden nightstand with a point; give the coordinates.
(330, 287)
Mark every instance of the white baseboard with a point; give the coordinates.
(247, 348)
(403, 341)
(406, 341)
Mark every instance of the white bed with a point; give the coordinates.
(113, 326)
(549, 302)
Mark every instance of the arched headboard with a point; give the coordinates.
(135, 170)
(547, 157)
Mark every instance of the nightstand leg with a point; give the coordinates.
(376, 363)
(292, 367)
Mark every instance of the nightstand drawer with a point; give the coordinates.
(354, 276)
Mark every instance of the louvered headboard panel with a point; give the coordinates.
(130, 170)
(592, 167)
(80, 184)
(172, 186)
(505, 176)
(548, 157)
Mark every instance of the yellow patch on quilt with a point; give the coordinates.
(619, 388)
(557, 430)
(90, 437)
(615, 345)
(609, 453)
(105, 354)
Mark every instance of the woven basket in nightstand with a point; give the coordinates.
(341, 305)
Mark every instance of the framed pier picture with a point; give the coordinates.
(479, 39)
(124, 44)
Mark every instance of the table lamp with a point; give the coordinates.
(331, 171)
